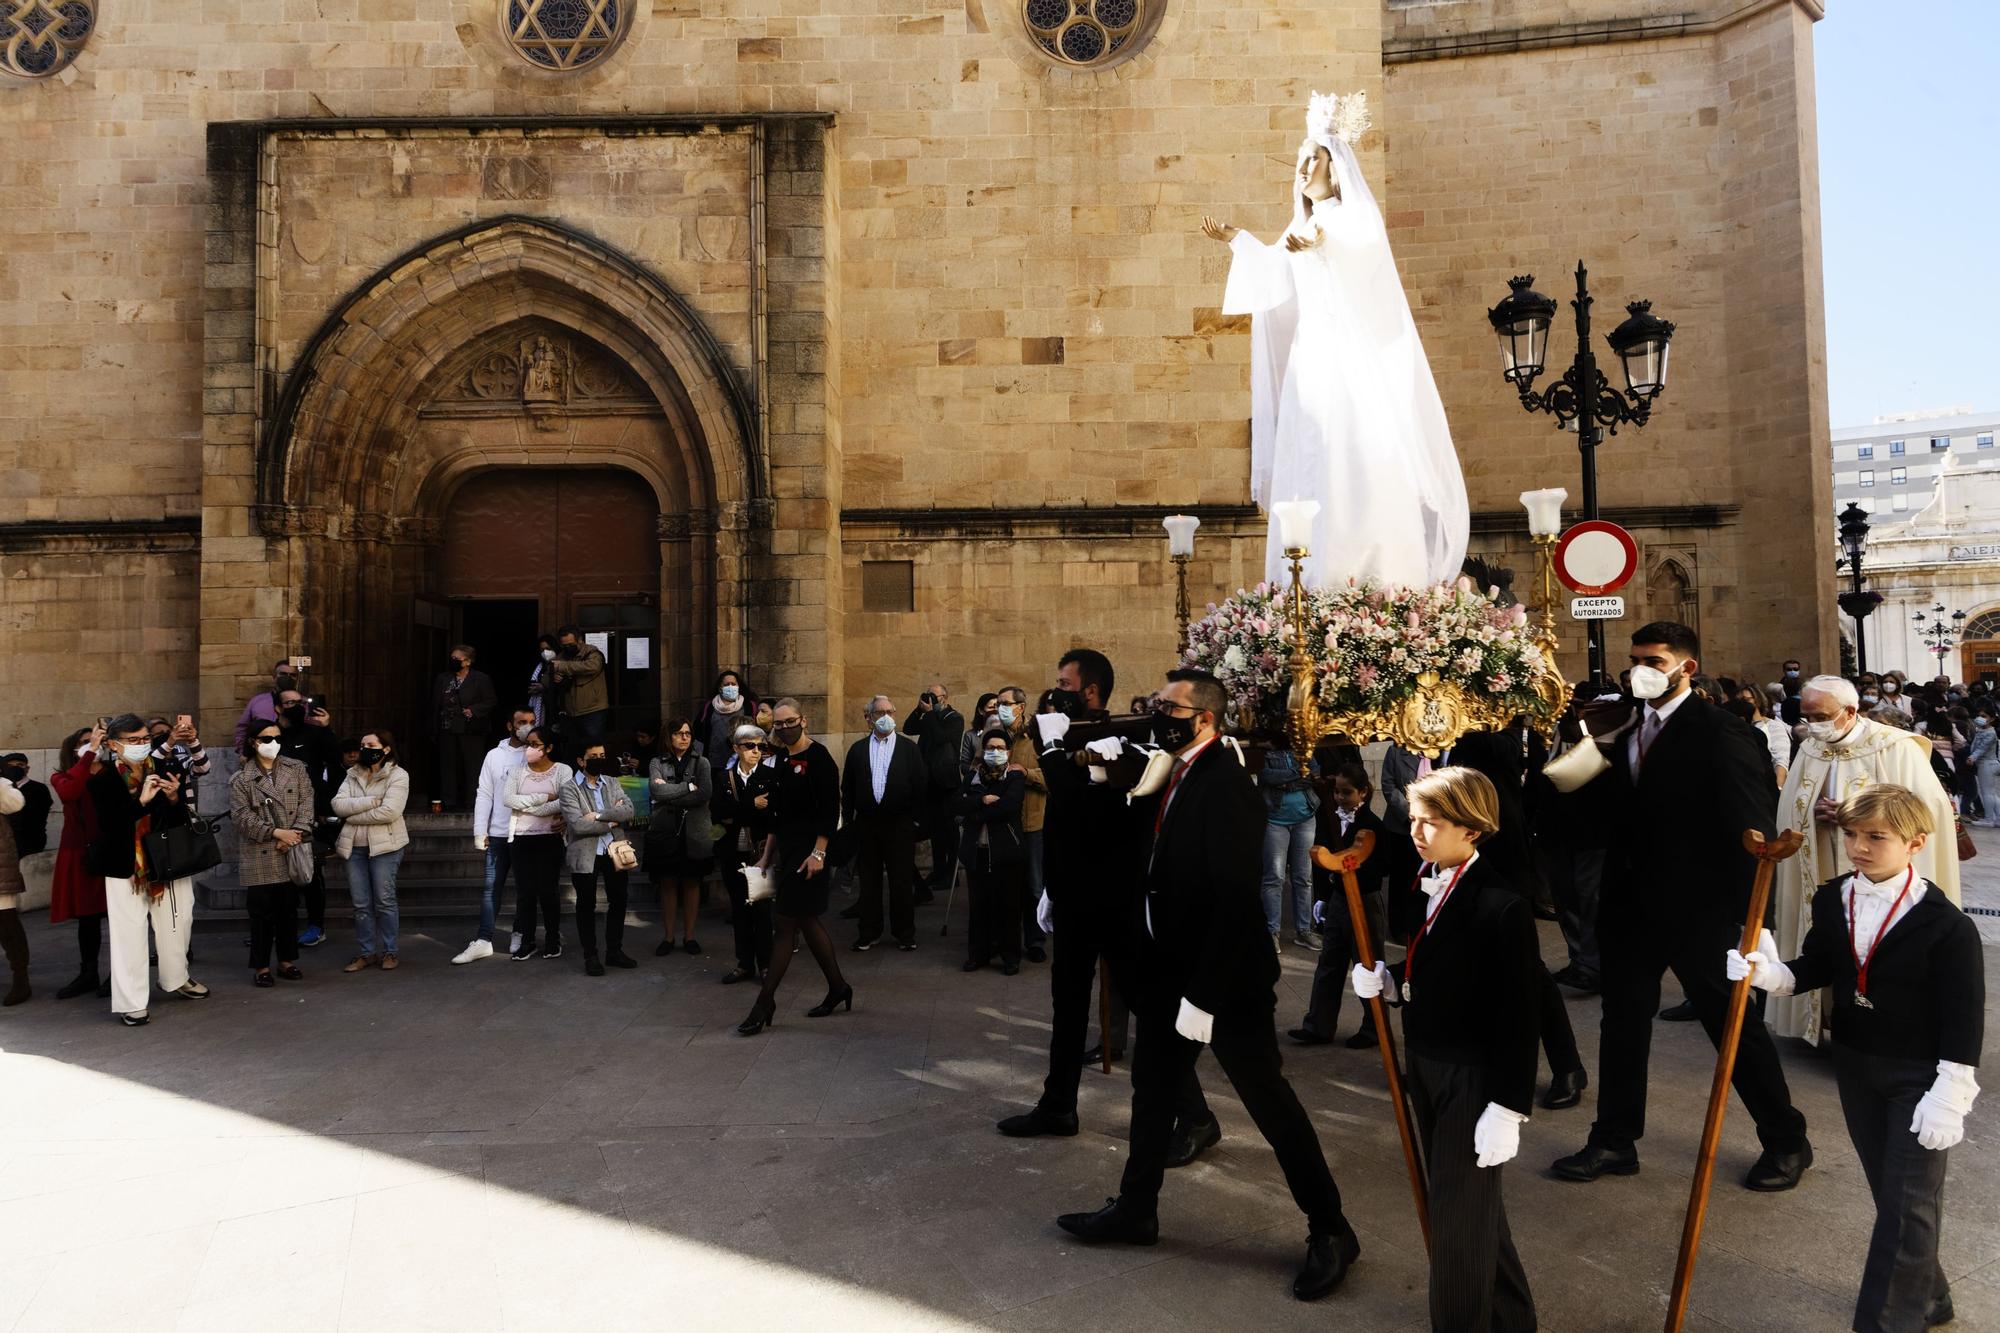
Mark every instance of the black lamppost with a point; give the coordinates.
(1583, 399)
(1854, 541)
(1939, 637)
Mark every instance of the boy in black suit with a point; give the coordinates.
(1909, 1007)
(1205, 972)
(1347, 818)
(1469, 994)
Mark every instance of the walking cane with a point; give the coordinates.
(1768, 854)
(1344, 864)
(951, 894)
(1104, 1011)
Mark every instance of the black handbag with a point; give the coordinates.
(182, 850)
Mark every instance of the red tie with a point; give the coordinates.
(1179, 770)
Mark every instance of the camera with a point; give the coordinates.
(930, 700)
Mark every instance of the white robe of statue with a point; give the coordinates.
(1343, 407)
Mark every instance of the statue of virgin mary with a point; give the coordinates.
(1343, 407)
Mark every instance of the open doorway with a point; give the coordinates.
(502, 631)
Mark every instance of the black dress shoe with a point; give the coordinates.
(1307, 1037)
(1940, 1312)
(1327, 1260)
(971, 965)
(1036, 1123)
(619, 958)
(1035, 953)
(1191, 1141)
(736, 974)
(1595, 1161)
(1578, 980)
(1010, 969)
(1776, 1172)
(1112, 1224)
(1095, 1055)
(1678, 1013)
(593, 966)
(1364, 1038)
(1565, 1090)
(82, 984)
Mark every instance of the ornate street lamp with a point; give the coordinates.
(1854, 542)
(1939, 638)
(1583, 400)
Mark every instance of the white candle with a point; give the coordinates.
(1544, 510)
(1295, 522)
(1180, 533)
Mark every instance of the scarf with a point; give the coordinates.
(142, 881)
(719, 705)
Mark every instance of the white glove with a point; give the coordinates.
(1761, 965)
(1045, 914)
(1194, 1024)
(1108, 749)
(1370, 982)
(1319, 913)
(1052, 727)
(1497, 1136)
(479, 842)
(1940, 1119)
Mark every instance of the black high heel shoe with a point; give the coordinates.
(763, 1014)
(834, 1000)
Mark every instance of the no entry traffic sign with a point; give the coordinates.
(1595, 557)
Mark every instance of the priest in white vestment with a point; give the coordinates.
(1844, 753)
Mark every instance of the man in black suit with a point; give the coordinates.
(882, 792)
(1093, 850)
(1205, 973)
(938, 728)
(1690, 779)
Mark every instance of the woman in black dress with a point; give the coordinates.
(680, 843)
(806, 804)
(743, 812)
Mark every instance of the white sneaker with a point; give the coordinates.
(514, 945)
(475, 951)
(192, 989)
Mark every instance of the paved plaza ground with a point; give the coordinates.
(519, 1146)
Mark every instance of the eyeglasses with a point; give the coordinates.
(1169, 707)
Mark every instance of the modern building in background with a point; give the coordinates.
(1930, 483)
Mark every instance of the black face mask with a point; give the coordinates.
(456, 664)
(789, 735)
(1068, 703)
(370, 756)
(293, 712)
(601, 766)
(14, 775)
(1172, 733)
(161, 739)
(568, 650)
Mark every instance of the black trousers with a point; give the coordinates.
(1637, 952)
(460, 755)
(1902, 1275)
(995, 909)
(538, 859)
(1576, 878)
(940, 828)
(1337, 958)
(14, 944)
(1246, 1046)
(312, 895)
(749, 922)
(1079, 942)
(274, 922)
(885, 846)
(1558, 1037)
(89, 939)
(1477, 1283)
(585, 884)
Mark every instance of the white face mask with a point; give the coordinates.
(885, 725)
(1826, 732)
(1005, 712)
(729, 693)
(1869, 701)
(996, 758)
(548, 654)
(536, 754)
(1649, 682)
(1890, 687)
(268, 749)
(136, 752)
(521, 732)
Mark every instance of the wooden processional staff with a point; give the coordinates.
(1768, 853)
(1345, 864)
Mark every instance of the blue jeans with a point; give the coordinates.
(1288, 846)
(371, 881)
(499, 858)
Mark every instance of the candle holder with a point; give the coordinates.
(1180, 549)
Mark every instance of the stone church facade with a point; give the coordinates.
(855, 345)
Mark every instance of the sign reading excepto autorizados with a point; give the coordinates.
(1597, 608)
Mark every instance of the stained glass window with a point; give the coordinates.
(39, 37)
(565, 34)
(1088, 32)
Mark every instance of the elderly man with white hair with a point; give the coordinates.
(1843, 753)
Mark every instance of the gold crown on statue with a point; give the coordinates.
(1345, 118)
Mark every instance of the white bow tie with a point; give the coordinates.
(1433, 885)
(1865, 887)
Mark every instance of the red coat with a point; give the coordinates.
(75, 891)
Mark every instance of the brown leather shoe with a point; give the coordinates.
(359, 963)
(389, 963)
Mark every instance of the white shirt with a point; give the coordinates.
(880, 748)
(1346, 820)
(1871, 905)
(1434, 884)
(1656, 719)
(1181, 766)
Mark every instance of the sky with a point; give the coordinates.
(1909, 170)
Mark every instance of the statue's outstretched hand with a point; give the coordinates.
(1218, 231)
(1295, 242)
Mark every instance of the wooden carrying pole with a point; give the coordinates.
(1768, 853)
(1344, 864)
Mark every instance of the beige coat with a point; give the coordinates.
(374, 802)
